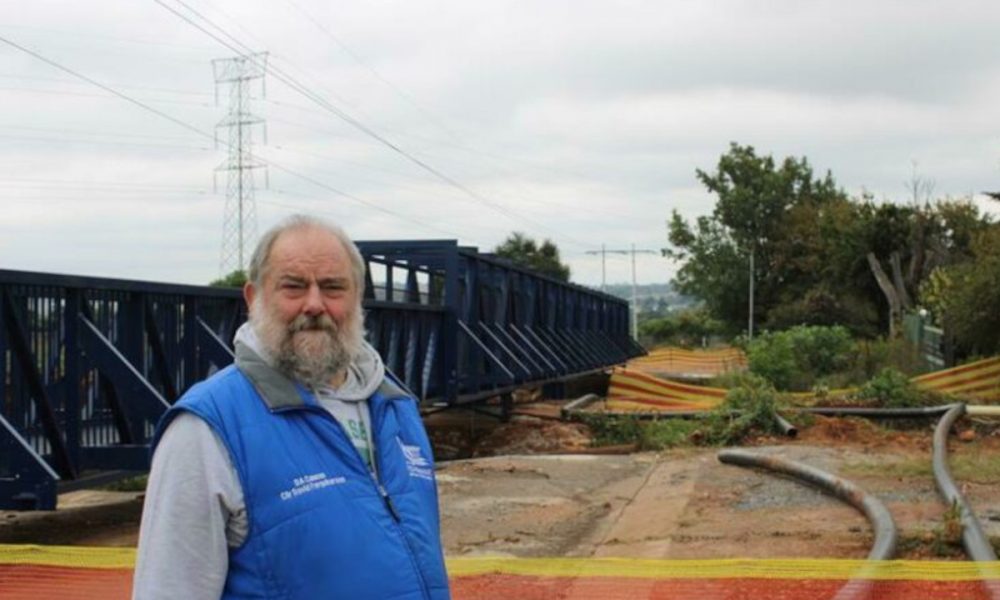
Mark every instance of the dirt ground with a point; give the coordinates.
(533, 487)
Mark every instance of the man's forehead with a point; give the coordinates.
(313, 250)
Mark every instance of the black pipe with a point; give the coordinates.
(787, 429)
(826, 411)
(578, 405)
(886, 413)
(976, 544)
(884, 546)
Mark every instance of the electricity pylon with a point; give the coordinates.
(239, 228)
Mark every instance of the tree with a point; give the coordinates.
(751, 216)
(234, 279)
(687, 328)
(968, 295)
(525, 252)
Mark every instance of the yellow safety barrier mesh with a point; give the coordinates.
(680, 362)
(32, 572)
(978, 380)
(735, 568)
(67, 556)
(632, 389)
(635, 390)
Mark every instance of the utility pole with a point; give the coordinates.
(239, 228)
(635, 295)
(750, 312)
(604, 253)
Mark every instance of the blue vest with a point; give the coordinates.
(320, 526)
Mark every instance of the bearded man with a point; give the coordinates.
(303, 470)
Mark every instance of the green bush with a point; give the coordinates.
(871, 356)
(796, 358)
(892, 389)
(748, 408)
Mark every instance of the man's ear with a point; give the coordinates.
(249, 292)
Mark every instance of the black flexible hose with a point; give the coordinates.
(976, 544)
(884, 546)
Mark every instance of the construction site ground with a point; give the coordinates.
(534, 487)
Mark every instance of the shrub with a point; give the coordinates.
(796, 358)
(871, 356)
(748, 408)
(892, 389)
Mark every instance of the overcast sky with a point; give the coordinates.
(579, 121)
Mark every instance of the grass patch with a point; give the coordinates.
(929, 544)
(129, 484)
(974, 469)
(646, 435)
(667, 433)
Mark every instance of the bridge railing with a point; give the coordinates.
(88, 365)
(477, 326)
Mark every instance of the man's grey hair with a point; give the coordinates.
(259, 260)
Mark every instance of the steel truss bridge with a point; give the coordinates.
(88, 365)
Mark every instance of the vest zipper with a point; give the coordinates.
(388, 502)
(377, 419)
(382, 492)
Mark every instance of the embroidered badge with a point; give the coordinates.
(310, 483)
(416, 464)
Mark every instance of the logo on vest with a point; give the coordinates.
(416, 465)
(310, 483)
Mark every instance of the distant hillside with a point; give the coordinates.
(654, 298)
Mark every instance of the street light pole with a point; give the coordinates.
(750, 317)
(635, 301)
(604, 256)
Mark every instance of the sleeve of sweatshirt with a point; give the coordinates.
(193, 512)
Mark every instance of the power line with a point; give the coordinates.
(117, 85)
(280, 75)
(635, 305)
(58, 92)
(194, 129)
(402, 94)
(67, 140)
(80, 182)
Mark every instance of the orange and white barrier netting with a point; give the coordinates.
(75, 573)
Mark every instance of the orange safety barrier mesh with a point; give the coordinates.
(33, 572)
(634, 389)
(683, 363)
(978, 380)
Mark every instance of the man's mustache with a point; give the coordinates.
(312, 323)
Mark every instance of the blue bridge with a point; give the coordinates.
(88, 365)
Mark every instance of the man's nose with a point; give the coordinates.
(314, 301)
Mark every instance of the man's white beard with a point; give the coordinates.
(309, 349)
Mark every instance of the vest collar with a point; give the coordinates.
(276, 390)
